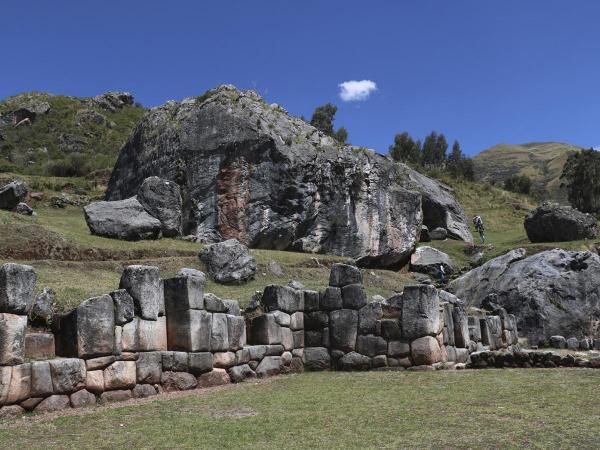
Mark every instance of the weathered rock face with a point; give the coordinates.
(553, 223)
(440, 208)
(162, 200)
(125, 219)
(12, 194)
(228, 262)
(249, 171)
(428, 260)
(555, 292)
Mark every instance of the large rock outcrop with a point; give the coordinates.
(440, 207)
(12, 194)
(551, 222)
(249, 171)
(555, 292)
(228, 262)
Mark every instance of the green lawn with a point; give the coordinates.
(533, 408)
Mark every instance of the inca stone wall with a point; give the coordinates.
(153, 335)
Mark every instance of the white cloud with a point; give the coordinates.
(356, 91)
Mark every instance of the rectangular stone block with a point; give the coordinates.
(474, 329)
(17, 283)
(141, 335)
(20, 384)
(420, 312)
(120, 375)
(343, 327)
(144, 285)
(265, 330)
(354, 296)
(175, 361)
(287, 338)
(368, 317)
(200, 363)
(398, 348)
(494, 324)
(68, 375)
(448, 324)
(41, 379)
(88, 330)
(219, 337)
(12, 339)
(282, 298)
(94, 381)
(331, 299)
(370, 345)
(149, 367)
(236, 332)
(311, 301)
(298, 339)
(183, 293)
(189, 330)
(5, 377)
(461, 328)
(124, 306)
(39, 345)
(297, 321)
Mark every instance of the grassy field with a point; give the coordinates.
(533, 408)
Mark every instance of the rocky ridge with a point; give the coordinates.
(249, 171)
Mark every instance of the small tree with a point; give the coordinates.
(341, 135)
(322, 118)
(581, 177)
(405, 149)
(518, 183)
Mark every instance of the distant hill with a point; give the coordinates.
(541, 161)
(45, 134)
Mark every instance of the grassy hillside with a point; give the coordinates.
(541, 161)
(69, 135)
(510, 408)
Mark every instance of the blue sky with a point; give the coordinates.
(482, 72)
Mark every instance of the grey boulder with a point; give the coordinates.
(162, 200)
(428, 260)
(123, 219)
(17, 283)
(12, 194)
(555, 292)
(43, 307)
(228, 262)
(551, 222)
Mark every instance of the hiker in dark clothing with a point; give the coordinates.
(478, 222)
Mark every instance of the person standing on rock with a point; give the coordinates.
(442, 273)
(478, 222)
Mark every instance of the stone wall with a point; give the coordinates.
(153, 335)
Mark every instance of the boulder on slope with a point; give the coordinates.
(551, 222)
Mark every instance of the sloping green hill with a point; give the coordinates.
(46, 134)
(541, 161)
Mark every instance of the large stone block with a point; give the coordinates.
(447, 311)
(5, 377)
(297, 321)
(189, 330)
(141, 335)
(17, 283)
(233, 307)
(425, 351)
(41, 379)
(12, 339)
(224, 360)
(287, 338)
(316, 320)
(219, 337)
(183, 293)
(282, 298)
(82, 399)
(178, 381)
(116, 396)
(39, 345)
(120, 375)
(265, 330)
(257, 352)
(311, 301)
(390, 329)
(461, 327)
(398, 348)
(316, 358)
(331, 299)
(149, 367)
(216, 377)
(343, 274)
(494, 325)
(343, 325)
(175, 361)
(420, 312)
(94, 381)
(269, 366)
(354, 361)
(371, 345)
(368, 317)
(124, 306)
(144, 286)
(236, 332)
(53, 403)
(68, 375)
(88, 330)
(19, 388)
(474, 329)
(298, 337)
(354, 296)
(241, 372)
(200, 363)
